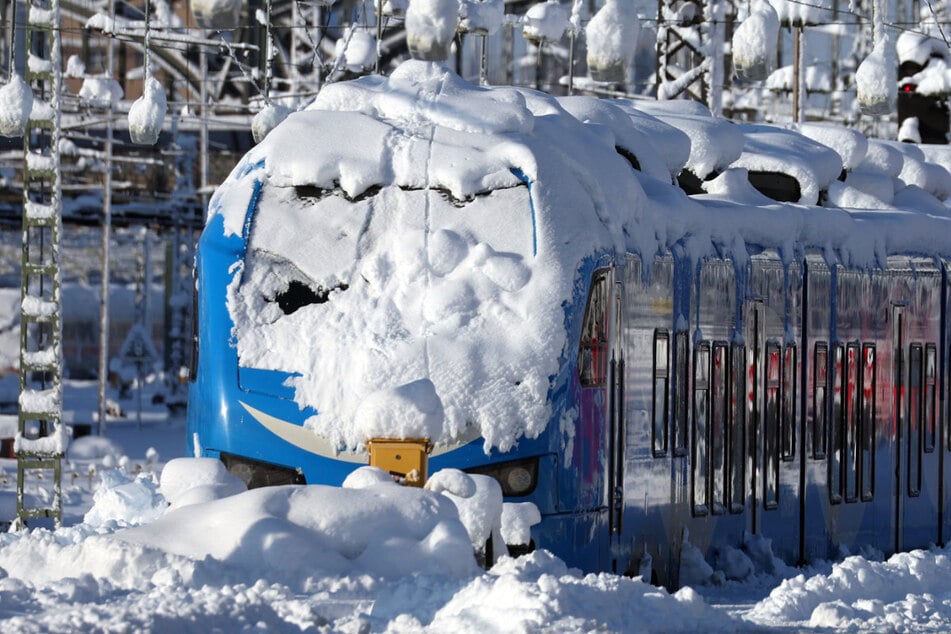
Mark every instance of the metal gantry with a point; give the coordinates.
(42, 438)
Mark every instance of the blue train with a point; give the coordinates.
(523, 283)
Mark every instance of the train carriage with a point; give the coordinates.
(516, 286)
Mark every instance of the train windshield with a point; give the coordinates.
(403, 313)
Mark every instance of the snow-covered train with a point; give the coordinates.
(523, 285)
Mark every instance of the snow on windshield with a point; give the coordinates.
(438, 210)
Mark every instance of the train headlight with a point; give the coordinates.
(517, 478)
(520, 480)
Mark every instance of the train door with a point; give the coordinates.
(944, 410)
(585, 488)
(915, 336)
(651, 440)
(898, 421)
(773, 335)
(817, 509)
(614, 446)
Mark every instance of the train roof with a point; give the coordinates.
(440, 228)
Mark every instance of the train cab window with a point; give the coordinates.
(915, 418)
(661, 391)
(820, 388)
(835, 425)
(852, 415)
(928, 396)
(593, 351)
(681, 392)
(701, 416)
(771, 427)
(737, 429)
(719, 409)
(867, 475)
(788, 410)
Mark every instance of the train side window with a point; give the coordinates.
(928, 396)
(837, 443)
(681, 392)
(701, 415)
(867, 477)
(820, 388)
(852, 415)
(788, 411)
(737, 430)
(593, 351)
(771, 427)
(661, 391)
(718, 427)
(915, 431)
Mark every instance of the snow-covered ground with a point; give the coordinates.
(370, 557)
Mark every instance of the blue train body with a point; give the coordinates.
(783, 387)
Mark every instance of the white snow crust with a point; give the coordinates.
(16, 102)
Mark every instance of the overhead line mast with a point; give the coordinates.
(41, 436)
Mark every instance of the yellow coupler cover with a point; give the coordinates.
(405, 459)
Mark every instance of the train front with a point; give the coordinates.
(400, 262)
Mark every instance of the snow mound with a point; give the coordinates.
(382, 530)
(538, 593)
(908, 592)
(187, 481)
(124, 500)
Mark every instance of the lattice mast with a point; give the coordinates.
(42, 438)
(691, 57)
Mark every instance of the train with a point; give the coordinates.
(665, 330)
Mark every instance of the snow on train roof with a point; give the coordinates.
(443, 226)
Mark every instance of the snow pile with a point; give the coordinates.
(545, 22)
(876, 80)
(715, 143)
(267, 119)
(481, 17)
(355, 50)
(660, 149)
(148, 113)
(772, 149)
(16, 102)
(934, 81)
(430, 27)
(611, 37)
(294, 531)
(423, 295)
(100, 91)
(851, 145)
(818, 79)
(478, 499)
(517, 521)
(754, 42)
(909, 592)
(538, 593)
(792, 12)
(125, 500)
(188, 481)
